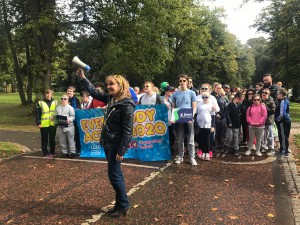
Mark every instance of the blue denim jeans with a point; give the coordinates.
(116, 179)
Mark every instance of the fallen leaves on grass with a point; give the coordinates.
(135, 206)
(271, 185)
(10, 221)
(180, 215)
(155, 219)
(270, 215)
(171, 182)
(214, 209)
(216, 197)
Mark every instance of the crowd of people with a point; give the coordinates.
(225, 118)
(222, 119)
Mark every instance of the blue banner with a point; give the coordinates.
(150, 140)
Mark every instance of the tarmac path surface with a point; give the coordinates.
(40, 191)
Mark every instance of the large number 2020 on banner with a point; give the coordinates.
(150, 139)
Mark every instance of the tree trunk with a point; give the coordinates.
(44, 38)
(14, 55)
(29, 75)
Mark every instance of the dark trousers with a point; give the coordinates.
(204, 137)
(284, 128)
(116, 179)
(171, 138)
(48, 136)
(77, 139)
(219, 130)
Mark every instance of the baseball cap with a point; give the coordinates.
(169, 88)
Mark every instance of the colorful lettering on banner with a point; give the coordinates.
(89, 122)
(150, 140)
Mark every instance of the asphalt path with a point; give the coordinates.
(35, 190)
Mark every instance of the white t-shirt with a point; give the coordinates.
(204, 112)
(212, 100)
(148, 99)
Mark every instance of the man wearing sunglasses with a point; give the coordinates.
(185, 98)
(191, 87)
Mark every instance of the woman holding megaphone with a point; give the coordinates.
(116, 132)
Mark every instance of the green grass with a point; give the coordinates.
(9, 149)
(297, 153)
(14, 116)
(295, 111)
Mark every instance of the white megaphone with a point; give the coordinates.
(77, 62)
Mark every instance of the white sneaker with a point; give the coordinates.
(193, 162)
(253, 147)
(207, 157)
(248, 152)
(178, 160)
(258, 153)
(203, 156)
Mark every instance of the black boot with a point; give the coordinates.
(113, 209)
(120, 212)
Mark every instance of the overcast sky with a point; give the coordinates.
(239, 19)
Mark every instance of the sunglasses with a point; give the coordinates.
(204, 97)
(63, 99)
(204, 89)
(255, 100)
(264, 92)
(180, 81)
(250, 94)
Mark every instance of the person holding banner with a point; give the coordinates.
(185, 99)
(116, 132)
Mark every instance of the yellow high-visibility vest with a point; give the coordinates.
(47, 113)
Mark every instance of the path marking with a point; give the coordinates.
(93, 161)
(136, 187)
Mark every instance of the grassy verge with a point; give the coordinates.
(14, 116)
(297, 153)
(295, 111)
(9, 149)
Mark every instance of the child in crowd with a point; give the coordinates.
(283, 121)
(256, 116)
(233, 121)
(206, 122)
(66, 128)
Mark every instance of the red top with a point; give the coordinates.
(95, 104)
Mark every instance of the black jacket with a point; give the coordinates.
(117, 131)
(221, 103)
(233, 115)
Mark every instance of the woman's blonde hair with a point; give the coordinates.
(124, 91)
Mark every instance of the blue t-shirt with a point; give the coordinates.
(184, 99)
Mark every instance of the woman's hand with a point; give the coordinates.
(119, 158)
(212, 129)
(80, 74)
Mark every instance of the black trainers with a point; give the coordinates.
(73, 155)
(64, 155)
(236, 152)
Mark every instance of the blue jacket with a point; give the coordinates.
(282, 111)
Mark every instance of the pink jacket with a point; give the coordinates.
(256, 115)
